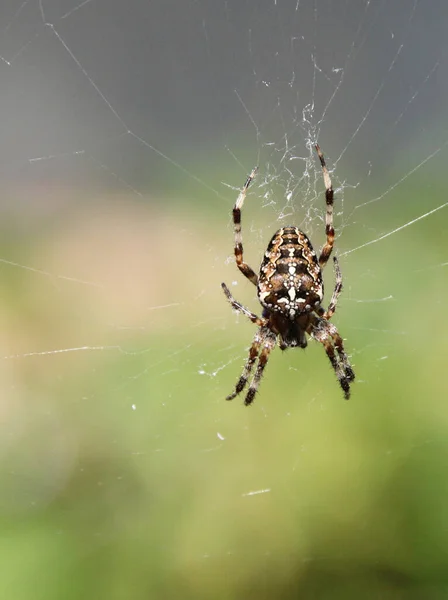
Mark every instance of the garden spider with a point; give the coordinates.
(290, 290)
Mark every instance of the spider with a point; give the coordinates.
(290, 290)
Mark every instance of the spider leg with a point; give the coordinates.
(329, 194)
(268, 344)
(326, 333)
(242, 309)
(242, 266)
(253, 354)
(339, 344)
(327, 314)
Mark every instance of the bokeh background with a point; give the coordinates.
(127, 129)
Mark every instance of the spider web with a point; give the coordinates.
(128, 129)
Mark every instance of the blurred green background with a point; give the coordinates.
(123, 471)
(126, 474)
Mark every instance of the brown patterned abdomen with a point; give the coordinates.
(290, 280)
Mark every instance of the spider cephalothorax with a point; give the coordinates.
(290, 289)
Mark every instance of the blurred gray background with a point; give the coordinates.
(81, 76)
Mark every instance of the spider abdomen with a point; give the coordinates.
(290, 280)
